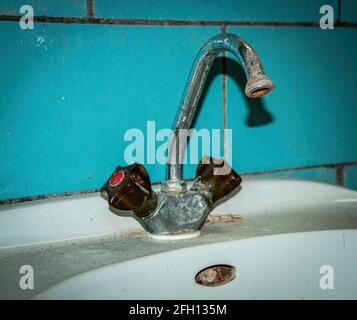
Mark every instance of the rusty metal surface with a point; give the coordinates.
(217, 275)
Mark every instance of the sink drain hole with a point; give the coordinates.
(216, 275)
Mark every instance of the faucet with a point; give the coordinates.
(178, 208)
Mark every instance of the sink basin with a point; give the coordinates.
(280, 235)
(271, 267)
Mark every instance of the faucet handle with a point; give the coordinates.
(129, 189)
(217, 177)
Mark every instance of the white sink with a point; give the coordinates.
(284, 232)
(283, 266)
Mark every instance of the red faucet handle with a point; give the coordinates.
(117, 178)
(129, 189)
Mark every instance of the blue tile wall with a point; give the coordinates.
(74, 8)
(69, 92)
(349, 11)
(259, 10)
(351, 177)
(310, 117)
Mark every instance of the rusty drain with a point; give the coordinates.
(216, 275)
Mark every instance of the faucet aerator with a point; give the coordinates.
(258, 87)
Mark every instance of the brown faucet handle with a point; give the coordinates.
(129, 189)
(217, 176)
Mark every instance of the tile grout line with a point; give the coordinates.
(90, 9)
(162, 22)
(292, 169)
(340, 175)
(336, 166)
(47, 196)
(339, 12)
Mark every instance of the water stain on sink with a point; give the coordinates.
(216, 275)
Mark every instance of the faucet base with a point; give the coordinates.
(178, 236)
(177, 213)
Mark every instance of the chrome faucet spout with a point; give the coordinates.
(258, 84)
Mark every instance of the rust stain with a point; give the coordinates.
(217, 275)
(260, 93)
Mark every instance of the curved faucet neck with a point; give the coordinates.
(258, 84)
